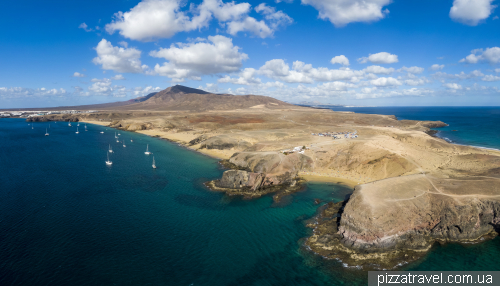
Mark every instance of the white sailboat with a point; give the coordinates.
(124, 144)
(77, 130)
(32, 126)
(116, 136)
(119, 134)
(78, 124)
(46, 133)
(102, 132)
(131, 140)
(110, 150)
(147, 150)
(108, 162)
(85, 126)
(154, 165)
(69, 123)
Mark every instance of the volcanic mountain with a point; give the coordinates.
(180, 97)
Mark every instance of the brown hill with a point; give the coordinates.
(180, 97)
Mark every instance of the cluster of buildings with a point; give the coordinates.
(40, 113)
(338, 135)
(298, 149)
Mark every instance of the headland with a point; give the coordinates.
(411, 189)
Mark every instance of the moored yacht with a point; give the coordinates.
(147, 150)
(107, 161)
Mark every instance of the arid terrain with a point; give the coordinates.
(410, 189)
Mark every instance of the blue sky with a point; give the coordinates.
(351, 52)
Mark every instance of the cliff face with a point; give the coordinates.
(260, 173)
(388, 221)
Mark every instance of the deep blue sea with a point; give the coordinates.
(68, 219)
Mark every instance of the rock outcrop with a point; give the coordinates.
(260, 173)
(396, 220)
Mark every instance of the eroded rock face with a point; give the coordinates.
(387, 221)
(238, 179)
(223, 142)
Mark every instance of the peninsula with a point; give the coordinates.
(411, 189)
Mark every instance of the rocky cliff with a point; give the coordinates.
(396, 220)
(259, 173)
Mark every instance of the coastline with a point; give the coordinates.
(180, 138)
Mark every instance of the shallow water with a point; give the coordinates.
(68, 219)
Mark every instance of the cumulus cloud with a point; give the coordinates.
(471, 12)
(416, 82)
(247, 77)
(343, 12)
(490, 55)
(453, 86)
(497, 70)
(491, 78)
(142, 91)
(436, 67)
(22, 92)
(461, 75)
(85, 27)
(77, 74)
(118, 59)
(305, 73)
(378, 70)
(154, 19)
(217, 54)
(343, 60)
(385, 81)
(118, 77)
(412, 70)
(379, 58)
(250, 24)
(275, 18)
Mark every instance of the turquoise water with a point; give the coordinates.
(68, 219)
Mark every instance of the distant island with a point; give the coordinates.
(411, 189)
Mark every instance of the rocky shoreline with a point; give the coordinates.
(396, 237)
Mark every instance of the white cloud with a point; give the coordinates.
(379, 70)
(118, 59)
(491, 78)
(343, 60)
(77, 74)
(343, 12)
(258, 28)
(140, 91)
(123, 44)
(497, 70)
(436, 67)
(276, 18)
(101, 86)
(22, 92)
(380, 58)
(151, 19)
(154, 19)
(85, 27)
(453, 86)
(305, 73)
(412, 70)
(462, 75)
(471, 12)
(201, 57)
(118, 77)
(385, 81)
(491, 55)
(247, 77)
(416, 82)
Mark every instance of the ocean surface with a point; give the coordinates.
(66, 218)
